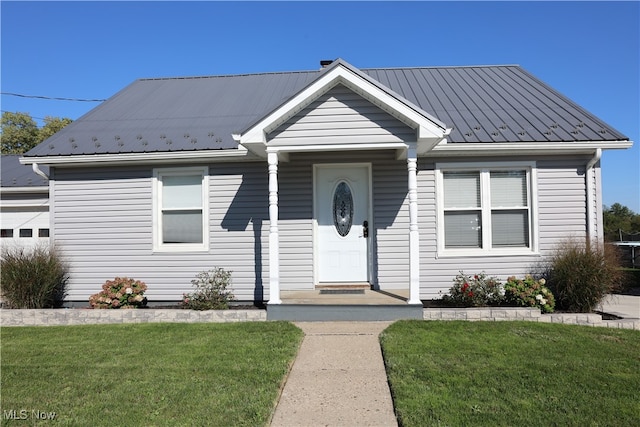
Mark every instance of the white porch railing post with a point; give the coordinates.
(274, 240)
(414, 234)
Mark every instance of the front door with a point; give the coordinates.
(342, 215)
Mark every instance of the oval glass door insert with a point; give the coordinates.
(343, 209)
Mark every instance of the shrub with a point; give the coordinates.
(474, 291)
(580, 274)
(529, 292)
(33, 277)
(210, 292)
(122, 292)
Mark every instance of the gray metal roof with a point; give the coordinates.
(501, 103)
(14, 174)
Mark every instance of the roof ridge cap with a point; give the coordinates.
(215, 76)
(442, 66)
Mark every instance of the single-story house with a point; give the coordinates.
(24, 204)
(393, 178)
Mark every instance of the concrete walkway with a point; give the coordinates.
(625, 306)
(337, 379)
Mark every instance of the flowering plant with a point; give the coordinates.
(122, 292)
(210, 292)
(474, 291)
(529, 292)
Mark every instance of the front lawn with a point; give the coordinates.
(512, 374)
(146, 374)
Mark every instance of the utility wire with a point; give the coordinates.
(51, 97)
(33, 117)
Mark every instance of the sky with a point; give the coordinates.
(588, 51)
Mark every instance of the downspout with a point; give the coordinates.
(37, 170)
(590, 177)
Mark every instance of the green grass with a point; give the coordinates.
(512, 374)
(147, 374)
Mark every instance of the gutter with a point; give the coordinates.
(518, 148)
(194, 156)
(590, 176)
(38, 189)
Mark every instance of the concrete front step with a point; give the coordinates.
(343, 286)
(343, 312)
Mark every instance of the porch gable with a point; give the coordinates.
(340, 116)
(340, 77)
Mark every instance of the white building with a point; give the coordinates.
(24, 204)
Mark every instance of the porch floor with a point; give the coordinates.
(368, 297)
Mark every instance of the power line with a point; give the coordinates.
(51, 97)
(33, 117)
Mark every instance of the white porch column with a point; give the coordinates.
(274, 240)
(414, 234)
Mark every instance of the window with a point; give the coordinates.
(6, 232)
(485, 208)
(180, 209)
(26, 232)
(43, 232)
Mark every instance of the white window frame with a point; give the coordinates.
(485, 168)
(158, 245)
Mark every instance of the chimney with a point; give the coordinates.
(325, 63)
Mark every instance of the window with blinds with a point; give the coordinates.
(180, 209)
(463, 210)
(485, 209)
(509, 209)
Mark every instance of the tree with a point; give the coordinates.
(52, 125)
(20, 133)
(619, 217)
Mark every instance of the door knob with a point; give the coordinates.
(365, 229)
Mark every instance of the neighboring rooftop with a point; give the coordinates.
(487, 104)
(14, 174)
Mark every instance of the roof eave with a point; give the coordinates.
(520, 148)
(196, 156)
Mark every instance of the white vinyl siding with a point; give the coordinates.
(104, 226)
(562, 200)
(180, 209)
(338, 117)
